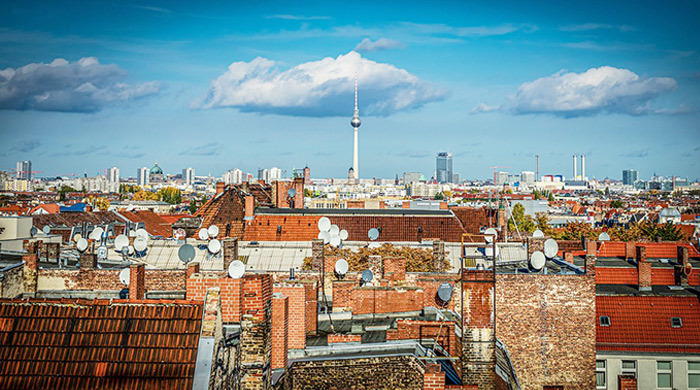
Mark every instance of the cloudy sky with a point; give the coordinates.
(88, 85)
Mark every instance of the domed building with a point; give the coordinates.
(156, 175)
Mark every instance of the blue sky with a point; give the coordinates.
(88, 85)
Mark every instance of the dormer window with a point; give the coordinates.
(604, 321)
(676, 322)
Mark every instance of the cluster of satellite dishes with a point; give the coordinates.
(331, 234)
(538, 258)
(121, 243)
(491, 235)
(213, 245)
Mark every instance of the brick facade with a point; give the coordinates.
(280, 330)
(335, 338)
(296, 293)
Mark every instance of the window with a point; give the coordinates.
(629, 367)
(600, 374)
(664, 375)
(694, 375)
(676, 322)
(604, 321)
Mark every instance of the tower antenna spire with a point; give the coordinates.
(356, 91)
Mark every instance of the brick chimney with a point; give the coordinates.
(317, 254)
(280, 330)
(643, 269)
(249, 207)
(193, 268)
(433, 377)
(630, 251)
(534, 244)
(591, 248)
(438, 255)
(230, 247)
(87, 261)
(626, 382)
(31, 267)
(679, 270)
(137, 281)
(220, 187)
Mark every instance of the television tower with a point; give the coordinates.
(355, 122)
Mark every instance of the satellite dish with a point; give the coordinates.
(335, 230)
(203, 234)
(367, 276)
(445, 292)
(82, 244)
(214, 246)
(121, 241)
(213, 231)
(490, 234)
(341, 267)
(324, 224)
(141, 232)
(102, 252)
(537, 260)
(551, 248)
(77, 237)
(97, 233)
(140, 244)
(33, 231)
(236, 269)
(335, 241)
(603, 237)
(46, 229)
(186, 253)
(325, 236)
(343, 234)
(292, 192)
(538, 234)
(125, 276)
(131, 250)
(373, 234)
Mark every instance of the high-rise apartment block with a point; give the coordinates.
(443, 170)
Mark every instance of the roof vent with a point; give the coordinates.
(604, 321)
(676, 322)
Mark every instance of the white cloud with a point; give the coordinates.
(595, 26)
(297, 17)
(605, 89)
(380, 44)
(319, 88)
(82, 86)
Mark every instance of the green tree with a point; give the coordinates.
(193, 206)
(542, 223)
(307, 193)
(617, 204)
(525, 222)
(550, 197)
(439, 196)
(171, 195)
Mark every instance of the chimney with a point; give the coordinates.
(583, 167)
(682, 270)
(630, 251)
(591, 256)
(87, 261)
(575, 166)
(438, 256)
(193, 268)
(220, 185)
(230, 247)
(317, 254)
(280, 330)
(137, 281)
(249, 206)
(31, 267)
(643, 269)
(534, 244)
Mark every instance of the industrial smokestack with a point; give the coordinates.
(583, 167)
(575, 166)
(537, 167)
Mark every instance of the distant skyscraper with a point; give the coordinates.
(264, 175)
(188, 176)
(456, 178)
(274, 174)
(629, 176)
(24, 170)
(113, 175)
(355, 123)
(443, 169)
(527, 177)
(500, 178)
(411, 177)
(142, 176)
(307, 175)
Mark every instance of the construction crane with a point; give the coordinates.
(495, 170)
(19, 173)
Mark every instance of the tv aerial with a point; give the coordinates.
(537, 260)
(236, 269)
(551, 248)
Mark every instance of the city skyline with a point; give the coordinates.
(160, 82)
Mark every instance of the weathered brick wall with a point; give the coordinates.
(547, 322)
(626, 382)
(433, 378)
(335, 338)
(256, 331)
(367, 300)
(342, 294)
(311, 306)
(396, 372)
(197, 287)
(280, 330)
(103, 279)
(12, 282)
(165, 280)
(416, 330)
(394, 268)
(478, 349)
(431, 284)
(296, 293)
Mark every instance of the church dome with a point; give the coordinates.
(156, 170)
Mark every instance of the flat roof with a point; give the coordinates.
(377, 212)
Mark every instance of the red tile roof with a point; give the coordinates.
(50, 208)
(394, 228)
(172, 218)
(78, 343)
(666, 250)
(75, 219)
(643, 323)
(155, 225)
